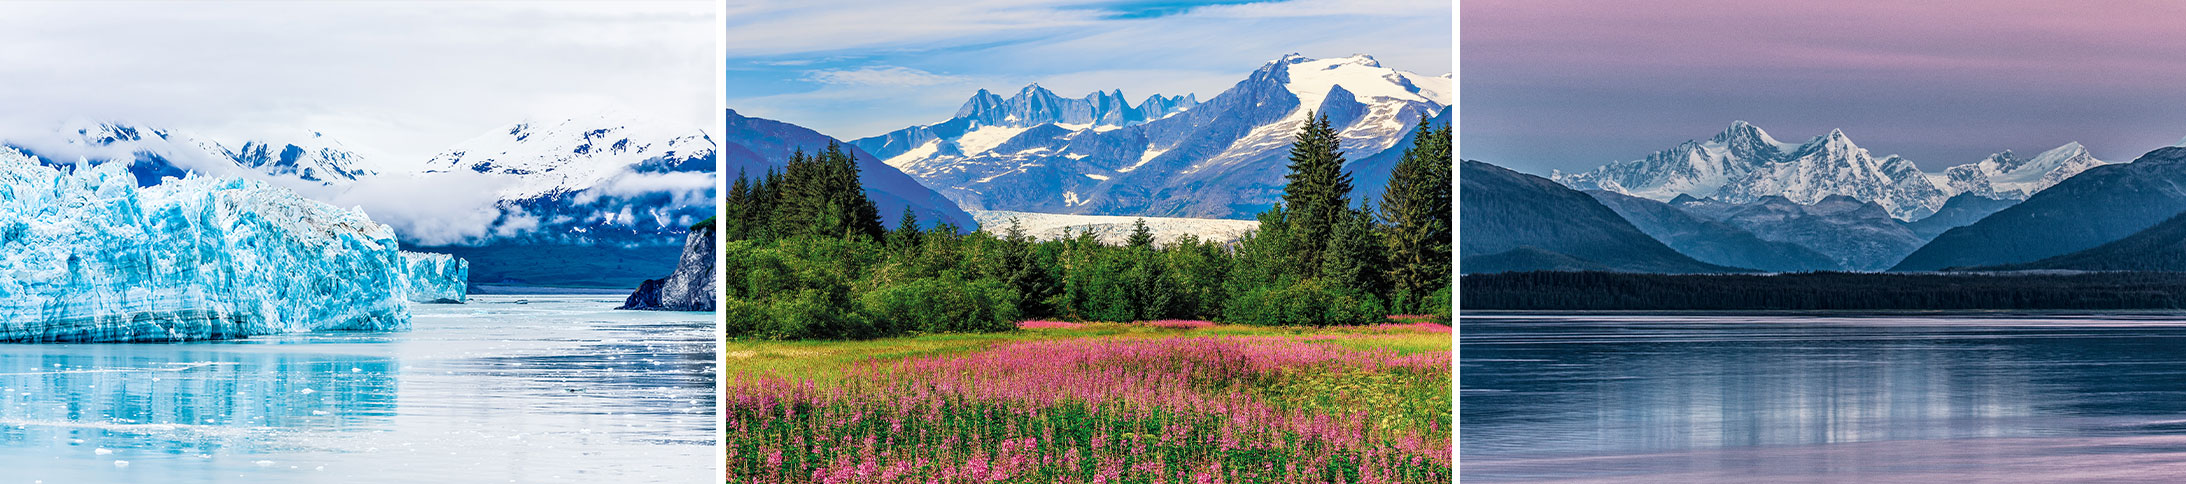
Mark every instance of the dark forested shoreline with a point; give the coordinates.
(1612, 291)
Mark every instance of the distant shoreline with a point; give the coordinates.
(522, 290)
(1821, 291)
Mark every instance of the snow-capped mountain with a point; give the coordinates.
(987, 119)
(1744, 164)
(2003, 176)
(317, 158)
(755, 145)
(592, 179)
(1222, 158)
(154, 153)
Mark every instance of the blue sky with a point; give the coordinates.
(853, 69)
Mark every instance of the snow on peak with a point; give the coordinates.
(1742, 163)
(2181, 143)
(571, 153)
(1310, 80)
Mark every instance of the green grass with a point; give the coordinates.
(822, 361)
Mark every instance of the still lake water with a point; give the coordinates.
(555, 389)
(1842, 398)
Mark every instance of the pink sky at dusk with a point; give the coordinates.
(1561, 84)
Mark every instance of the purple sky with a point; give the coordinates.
(1568, 84)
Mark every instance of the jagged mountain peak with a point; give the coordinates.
(1743, 163)
(996, 154)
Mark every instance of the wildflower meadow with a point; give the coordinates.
(1148, 402)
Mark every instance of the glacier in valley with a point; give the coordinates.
(87, 255)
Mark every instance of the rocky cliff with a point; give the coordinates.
(691, 286)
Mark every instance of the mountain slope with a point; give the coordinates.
(1960, 211)
(1744, 164)
(1509, 221)
(1712, 241)
(590, 180)
(2158, 248)
(1860, 236)
(1222, 158)
(1370, 174)
(2104, 204)
(754, 145)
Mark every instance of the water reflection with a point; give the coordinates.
(546, 390)
(1732, 395)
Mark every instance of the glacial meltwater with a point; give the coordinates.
(1802, 398)
(502, 389)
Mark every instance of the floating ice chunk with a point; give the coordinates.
(435, 278)
(87, 256)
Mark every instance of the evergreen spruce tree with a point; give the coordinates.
(1318, 191)
(735, 205)
(1353, 258)
(860, 216)
(1141, 237)
(1416, 209)
(1022, 272)
(797, 208)
(907, 233)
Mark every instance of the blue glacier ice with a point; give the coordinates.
(435, 278)
(88, 256)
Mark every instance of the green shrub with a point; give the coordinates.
(1311, 302)
(937, 305)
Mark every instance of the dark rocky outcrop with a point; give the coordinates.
(691, 286)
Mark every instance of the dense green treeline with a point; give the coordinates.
(1565, 291)
(806, 257)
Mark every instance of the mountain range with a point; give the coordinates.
(2109, 216)
(1174, 156)
(1744, 164)
(2105, 204)
(603, 188)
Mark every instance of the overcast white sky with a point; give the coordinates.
(402, 80)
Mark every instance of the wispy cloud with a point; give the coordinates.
(860, 68)
(407, 78)
(880, 76)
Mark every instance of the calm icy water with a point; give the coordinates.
(1713, 398)
(561, 389)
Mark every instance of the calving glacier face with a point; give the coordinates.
(90, 256)
(435, 278)
(587, 180)
(1743, 164)
(1223, 158)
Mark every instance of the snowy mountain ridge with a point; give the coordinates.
(1744, 164)
(155, 153)
(1219, 158)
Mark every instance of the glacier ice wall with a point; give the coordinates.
(88, 256)
(435, 278)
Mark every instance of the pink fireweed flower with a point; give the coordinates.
(1180, 324)
(1047, 325)
(1424, 327)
